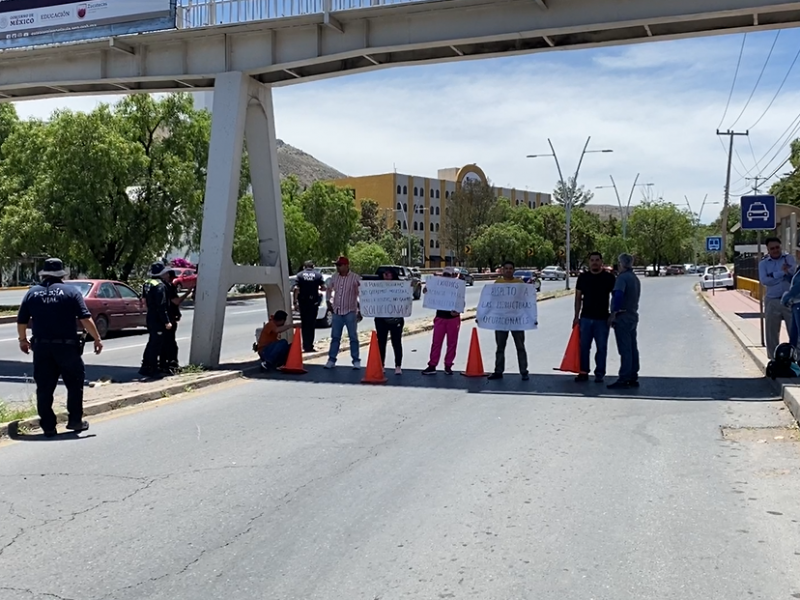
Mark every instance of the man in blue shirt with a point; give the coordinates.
(625, 320)
(54, 308)
(775, 273)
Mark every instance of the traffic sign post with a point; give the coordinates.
(714, 244)
(759, 213)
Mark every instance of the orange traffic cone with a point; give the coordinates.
(571, 363)
(374, 372)
(294, 362)
(474, 360)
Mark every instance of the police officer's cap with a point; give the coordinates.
(309, 264)
(53, 267)
(157, 269)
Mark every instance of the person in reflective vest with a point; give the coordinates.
(158, 321)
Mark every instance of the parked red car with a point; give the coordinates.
(186, 279)
(114, 305)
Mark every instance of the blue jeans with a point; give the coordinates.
(794, 333)
(275, 354)
(594, 330)
(625, 333)
(339, 323)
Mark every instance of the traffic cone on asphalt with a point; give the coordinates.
(374, 372)
(294, 362)
(571, 363)
(474, 359)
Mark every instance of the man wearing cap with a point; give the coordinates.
(307, 300)
(344, 287)
(158, 321)
(168, 358)
(54, 308)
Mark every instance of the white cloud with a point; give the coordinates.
(657, 106)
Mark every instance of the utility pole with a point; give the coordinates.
(758, 260)
(731, 135)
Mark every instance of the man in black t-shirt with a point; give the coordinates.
(307, 298)
(592, 299)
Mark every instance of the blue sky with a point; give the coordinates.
(656, 105)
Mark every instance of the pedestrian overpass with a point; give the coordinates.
(243, 48)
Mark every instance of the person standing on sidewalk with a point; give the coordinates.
(307, 299)
(775, 273)
(592, 297)
(168, 359)
(625, 320)
(447, 323)
(501, 337)
(386, 327)
(54, 308)
(344, 287)
(158, 321)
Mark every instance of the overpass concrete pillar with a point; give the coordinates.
(242, 110)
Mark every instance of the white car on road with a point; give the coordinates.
(717, 277)
(554, 273)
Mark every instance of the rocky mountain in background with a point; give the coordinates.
(307, 169)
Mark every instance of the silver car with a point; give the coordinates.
(553, 272)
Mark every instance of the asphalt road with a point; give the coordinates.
(122, 352)
(316, 487)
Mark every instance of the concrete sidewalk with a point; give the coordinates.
(741, 314)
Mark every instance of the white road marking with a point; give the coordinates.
(105, 350)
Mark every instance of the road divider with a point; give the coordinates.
(107, 396)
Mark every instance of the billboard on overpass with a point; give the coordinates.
(37, 22)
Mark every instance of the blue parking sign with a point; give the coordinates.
(759, 213)
(714, 243)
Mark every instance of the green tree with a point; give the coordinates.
(366, 257)
(331, 210)
(580, 195)
(468, 210)
(659, 232)
(611, 246)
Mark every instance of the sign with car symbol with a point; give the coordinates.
(758, 213)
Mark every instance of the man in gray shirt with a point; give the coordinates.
(625, 319)
(775, 273)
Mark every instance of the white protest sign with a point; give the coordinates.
(386, 298)
(445, 293)
(508, 307)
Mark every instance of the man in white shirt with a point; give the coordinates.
(775, 273)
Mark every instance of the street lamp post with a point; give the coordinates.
(624, 212)
(569, 192)
(699, 219)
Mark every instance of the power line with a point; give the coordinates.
(733, 85)
(794, 124)
(760, 75)
(789, 72)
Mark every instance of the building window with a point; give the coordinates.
(437, 243)
(446, 194)
(399, 206)
(398, 224)
(437, 210)
(405, 225)
(415, 191)
(405, 191)
(415, 226)
(399, 190)
(405, 207)
(437, 227)
(431, 227)
(431, 243)
(437, 194)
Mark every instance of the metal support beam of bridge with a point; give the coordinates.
(242, 111)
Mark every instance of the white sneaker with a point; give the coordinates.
(398, 371)
(356, 365)
(329, 365)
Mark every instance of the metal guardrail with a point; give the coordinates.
(205, 13)
(749, 285)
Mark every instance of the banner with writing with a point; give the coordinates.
(445, 293)
(508, 307)
(386, 298)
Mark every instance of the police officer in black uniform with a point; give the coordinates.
(54, 308)
(158, 321)
(168, 359)
(307, 299)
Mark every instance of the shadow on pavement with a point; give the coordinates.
(21, 372)
(548, 384)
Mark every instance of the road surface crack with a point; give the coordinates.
(33, 593)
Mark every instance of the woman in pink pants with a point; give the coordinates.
(446, 324)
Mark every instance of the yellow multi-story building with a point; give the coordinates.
(418, 204)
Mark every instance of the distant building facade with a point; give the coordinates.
(418, 204)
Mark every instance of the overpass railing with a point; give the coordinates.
(204, 13)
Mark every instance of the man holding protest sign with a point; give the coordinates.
(446, 294)
(506, 298)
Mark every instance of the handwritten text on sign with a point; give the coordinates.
(386, 298)
(445, 293)
(508, 307)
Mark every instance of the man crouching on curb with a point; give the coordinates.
(271, 350)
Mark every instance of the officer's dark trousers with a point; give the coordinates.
(308, 324)
(51, 361)
(153, 349)
(169, 348)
